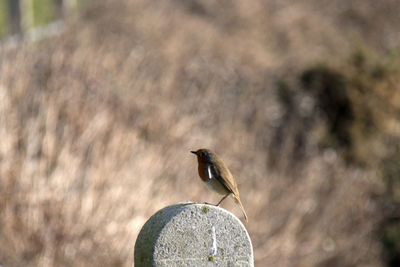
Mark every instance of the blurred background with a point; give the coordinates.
(101, 102)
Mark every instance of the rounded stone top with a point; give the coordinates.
(190, 234)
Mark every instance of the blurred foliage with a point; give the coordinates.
(391, 242)
(3, 18)
(390, 169)
(354, 106)
(43, 12)
(356, 110)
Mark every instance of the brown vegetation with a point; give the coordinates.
(97, 125)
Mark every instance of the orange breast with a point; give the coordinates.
(202, 171)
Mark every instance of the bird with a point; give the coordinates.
(217, 177)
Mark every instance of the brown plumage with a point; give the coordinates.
(217, 176)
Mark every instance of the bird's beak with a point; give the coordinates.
(194, 152)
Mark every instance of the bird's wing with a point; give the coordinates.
(209, 172)
(220, 170)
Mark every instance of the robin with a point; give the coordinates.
(217, 177)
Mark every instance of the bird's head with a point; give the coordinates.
(204, 155)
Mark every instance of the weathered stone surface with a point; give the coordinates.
(189, 234)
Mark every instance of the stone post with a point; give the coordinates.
(189, 234)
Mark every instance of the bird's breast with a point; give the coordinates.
(202, 171)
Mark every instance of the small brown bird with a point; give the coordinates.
(217, 177)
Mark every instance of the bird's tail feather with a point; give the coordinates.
(237, 200)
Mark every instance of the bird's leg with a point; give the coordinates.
(223, 199)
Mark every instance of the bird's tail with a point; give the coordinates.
(237, 200)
